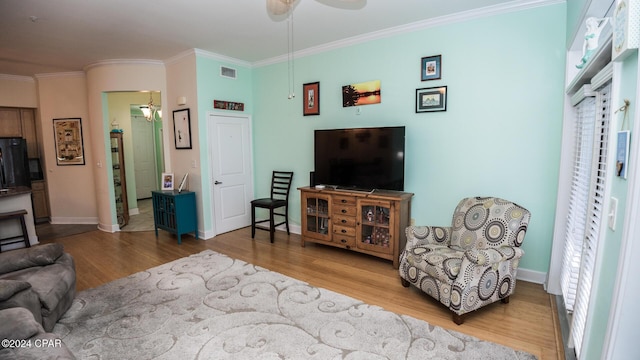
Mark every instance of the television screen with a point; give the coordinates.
(360, 158)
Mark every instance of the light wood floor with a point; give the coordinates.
(527, 323)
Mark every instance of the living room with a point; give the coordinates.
(501, 134)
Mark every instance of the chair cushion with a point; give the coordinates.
(439, 262)
(268, 202)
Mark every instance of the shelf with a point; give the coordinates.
(598, 61)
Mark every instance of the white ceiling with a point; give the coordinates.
(44, 36)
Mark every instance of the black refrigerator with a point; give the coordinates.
(14, 163)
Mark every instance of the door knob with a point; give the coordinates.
(217, 182)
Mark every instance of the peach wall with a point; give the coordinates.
(71, 187)
(104, 77)
(18, 91)
(181, 74)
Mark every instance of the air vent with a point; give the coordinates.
(227, 72)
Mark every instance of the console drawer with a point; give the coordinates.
(344, 220)
(344, 230)
(345, 210)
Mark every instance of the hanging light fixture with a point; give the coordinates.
(150, 110)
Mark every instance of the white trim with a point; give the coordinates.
(214, 56)
(60, 74)
(124, 62)
(626, 288)
(74, 220)
(16, 78)
(488, 11)
(532, 276)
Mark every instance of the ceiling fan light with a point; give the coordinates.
(277, 7)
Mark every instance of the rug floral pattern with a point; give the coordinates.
(210, 306)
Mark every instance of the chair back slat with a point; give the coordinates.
(281, 184)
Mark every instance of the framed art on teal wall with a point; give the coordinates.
(431, 68)
(311, 99)
(431, 99)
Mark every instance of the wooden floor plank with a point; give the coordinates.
(526, 323)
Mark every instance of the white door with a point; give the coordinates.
(143, 157)
(232, 181)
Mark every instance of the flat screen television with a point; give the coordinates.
(360, 158)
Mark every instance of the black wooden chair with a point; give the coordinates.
(280, 186)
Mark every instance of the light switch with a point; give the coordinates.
(613, 212)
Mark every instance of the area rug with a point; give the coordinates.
(210, 306)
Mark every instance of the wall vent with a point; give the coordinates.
(227, 72)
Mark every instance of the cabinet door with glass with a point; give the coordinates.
(119, 183)
(375, 225)
(316, 222)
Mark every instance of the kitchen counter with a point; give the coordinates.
(15, 191)
(13, 199)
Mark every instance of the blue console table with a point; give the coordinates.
(175, 212)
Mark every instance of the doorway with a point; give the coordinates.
(231, 169)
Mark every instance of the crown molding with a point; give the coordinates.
(124, 62)
(228, 59)
(17, 78)
(518, 5)
(60, 74)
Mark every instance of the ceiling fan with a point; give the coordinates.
(281, 7)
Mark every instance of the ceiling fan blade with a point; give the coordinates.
(345, 4)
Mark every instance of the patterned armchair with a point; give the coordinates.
(473, 262)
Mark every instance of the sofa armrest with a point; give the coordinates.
(8, 288)
(489, 257)
(423, 235)
(24, 258)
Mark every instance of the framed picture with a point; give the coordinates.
(68, 140)
(182, 129)
(431, 99)
(311, 100)
(431, 68)
(365, 93)
(622, 154)
(167, 181)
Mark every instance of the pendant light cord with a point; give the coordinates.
(290, 56)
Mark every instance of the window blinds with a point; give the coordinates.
(578, 197)
(586, 206)
(595, 211)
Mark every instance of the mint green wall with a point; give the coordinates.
(574, 13)
(210, 86)
(604, 282)
(500, 135)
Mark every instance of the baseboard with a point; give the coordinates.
(57, 220)
(533, 276)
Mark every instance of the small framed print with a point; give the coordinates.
(182, 129)
(167, 181)
(431, 68)
(431, 99)
(311, 100)
(622, 154)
